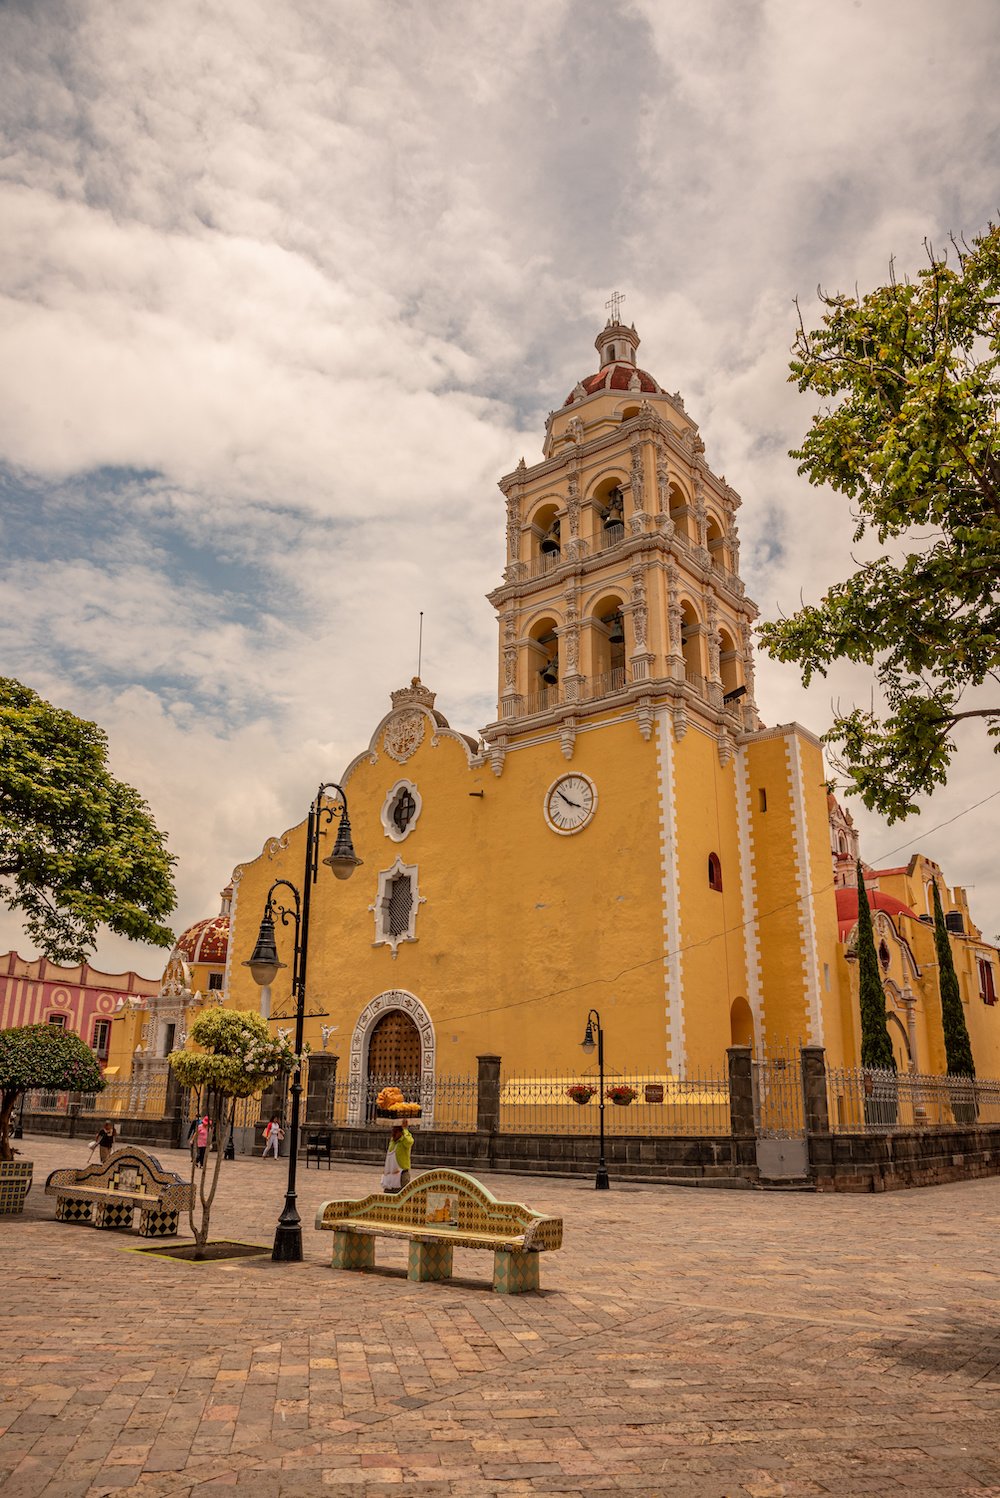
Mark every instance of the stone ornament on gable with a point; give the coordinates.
(404, 733)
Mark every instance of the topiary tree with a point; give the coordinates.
(238, 1057)
(876, 1047)
(957, 1046)
(41, 1056)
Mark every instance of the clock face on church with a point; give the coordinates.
(570, 803)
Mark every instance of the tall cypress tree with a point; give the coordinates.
(876, 1047)
(957, 1046)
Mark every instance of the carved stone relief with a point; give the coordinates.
(404, 733)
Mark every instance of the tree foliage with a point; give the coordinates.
(957, 1046)
(78, 848)
(876, 1047)
(910, 379)
(237, 1057)
(42, 1056)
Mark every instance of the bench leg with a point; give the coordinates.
(430, 1261)
(154, 1222)
(514, 1272)
(113, 1215)
(68, 1209)
(353, 1251)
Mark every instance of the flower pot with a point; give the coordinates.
(15, 1181)
(581, 1100)
(621, 1102)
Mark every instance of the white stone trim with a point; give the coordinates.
(748, 886)
(357, 1077)
(803, 891)
(388, 825)
(672, 965)
(383, 937)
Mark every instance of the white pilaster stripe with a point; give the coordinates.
(807, 916)
(672, 967)
(748, 884)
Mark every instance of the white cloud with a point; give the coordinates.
(287, 286)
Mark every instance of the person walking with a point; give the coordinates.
(198, 1136)
(105, 1141)
(397, 1160)
(273, 1135)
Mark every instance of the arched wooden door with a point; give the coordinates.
(394, 1057)
(394, 1048)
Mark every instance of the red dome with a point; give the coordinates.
(205, 941)
(616, 377)
(847, 907)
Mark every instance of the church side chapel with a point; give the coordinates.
(625, 835)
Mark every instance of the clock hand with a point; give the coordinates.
(575, 804)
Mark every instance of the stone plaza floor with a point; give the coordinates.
(686, 1341)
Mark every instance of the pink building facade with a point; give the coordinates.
(36, 991)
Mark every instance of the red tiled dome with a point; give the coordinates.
(847, 907)
(616, 376)
(205, 941)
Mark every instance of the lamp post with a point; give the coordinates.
(587, 1046)
(264, 965)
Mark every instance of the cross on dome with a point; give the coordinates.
(615, 304)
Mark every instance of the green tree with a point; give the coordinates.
(876, 1047)
(41, 1056)
(78, 848)
(957, 1046)
(908, 432)
(237, 1058)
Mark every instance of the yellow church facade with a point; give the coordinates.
(626, 835)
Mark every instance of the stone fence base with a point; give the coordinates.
(892, 1162)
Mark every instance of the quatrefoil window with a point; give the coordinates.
(400, 810)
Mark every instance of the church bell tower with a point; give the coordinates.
(622, 586)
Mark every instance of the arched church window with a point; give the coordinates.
(714, 871)
(399, 905)
(395, 910)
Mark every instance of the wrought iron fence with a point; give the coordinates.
(645, 1103)
(120, 1098)
(778, 1105)
(872, 1101)
(446, 1102)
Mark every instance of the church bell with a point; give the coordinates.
(616, 629)
(615, 512)
(550, 541)
(550, 673)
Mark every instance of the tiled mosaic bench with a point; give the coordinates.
(106, 1196)
(439, 1211)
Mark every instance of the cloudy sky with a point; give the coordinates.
(287, 284)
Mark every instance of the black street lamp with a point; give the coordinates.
(587, 1045)
(264, 965)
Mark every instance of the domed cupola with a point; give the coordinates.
(207, 940)
(616, 344)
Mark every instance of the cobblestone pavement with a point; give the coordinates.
(686, 1341)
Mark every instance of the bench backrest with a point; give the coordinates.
(125, 1170)
(447, 1198)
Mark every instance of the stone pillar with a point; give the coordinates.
(741, 1114)
(322, 1087)
(488, 1095)
(175, 1111)
(813, 1061)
